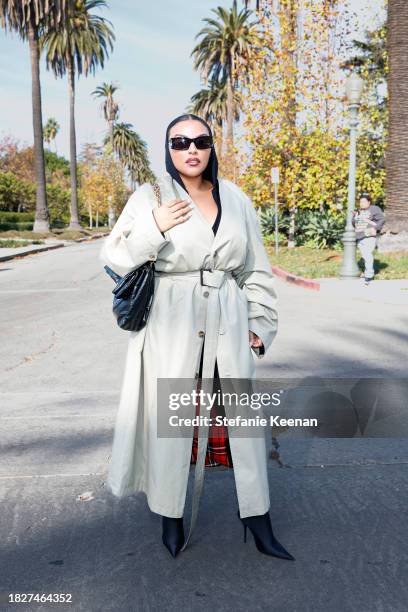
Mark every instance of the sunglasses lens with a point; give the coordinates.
(203, 142)
(179, 143)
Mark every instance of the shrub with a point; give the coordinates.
(15, 193)
(16, 217)
(324, 229)
(267, 221)
(58, 205)
(27, 227)
(312, 227)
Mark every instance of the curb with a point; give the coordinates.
(307, 283)
(49, 248)
(31, 251)
(84, 238)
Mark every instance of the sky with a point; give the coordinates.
(150, 63)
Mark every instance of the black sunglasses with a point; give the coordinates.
(182, 143)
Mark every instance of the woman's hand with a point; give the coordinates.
(254, 340)
(171, 213)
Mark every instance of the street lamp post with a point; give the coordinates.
(354, 89)
(111, 216)
(275, 181)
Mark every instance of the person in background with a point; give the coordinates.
(367, 221)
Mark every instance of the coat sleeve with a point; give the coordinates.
(256, 279)
(135, 238)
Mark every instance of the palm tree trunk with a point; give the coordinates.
(42, 218)
(397, 148)
(218, 140)
(74, 222)
(110, 209)
(230, 116)
(111, 135)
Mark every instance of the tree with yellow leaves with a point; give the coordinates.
(102, 183)
(295, 116)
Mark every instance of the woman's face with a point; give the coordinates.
(190, 128)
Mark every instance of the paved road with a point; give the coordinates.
(338, 505)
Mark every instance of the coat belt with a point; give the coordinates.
(209, 278)
(214, 279)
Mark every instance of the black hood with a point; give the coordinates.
(211, 171)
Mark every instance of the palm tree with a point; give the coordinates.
(51, 129)
(78, 46)
(257, 4)
(109, 105)
(397, 149)
(227, 42)
(211, 104)
(131, 151)
(110, 110)
(29, 18)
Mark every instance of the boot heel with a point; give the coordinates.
(265, 541)
(244, 526)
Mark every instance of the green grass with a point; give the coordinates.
(11, 244)
(325, 263)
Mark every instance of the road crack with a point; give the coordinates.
(33, 356)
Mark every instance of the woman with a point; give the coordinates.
(214, 303)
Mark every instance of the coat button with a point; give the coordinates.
(201, 334)
(206, 293)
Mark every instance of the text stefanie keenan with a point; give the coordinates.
(258, 421)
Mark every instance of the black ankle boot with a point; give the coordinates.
(173, 534)
(265, 541)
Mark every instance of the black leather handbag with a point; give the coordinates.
(133, 293)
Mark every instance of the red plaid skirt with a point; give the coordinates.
(218, 448)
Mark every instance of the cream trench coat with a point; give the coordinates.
(238, 297)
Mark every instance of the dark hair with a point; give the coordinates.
(187, 117)
(367, 196)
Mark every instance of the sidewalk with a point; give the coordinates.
(49, 244)
(379, 291)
